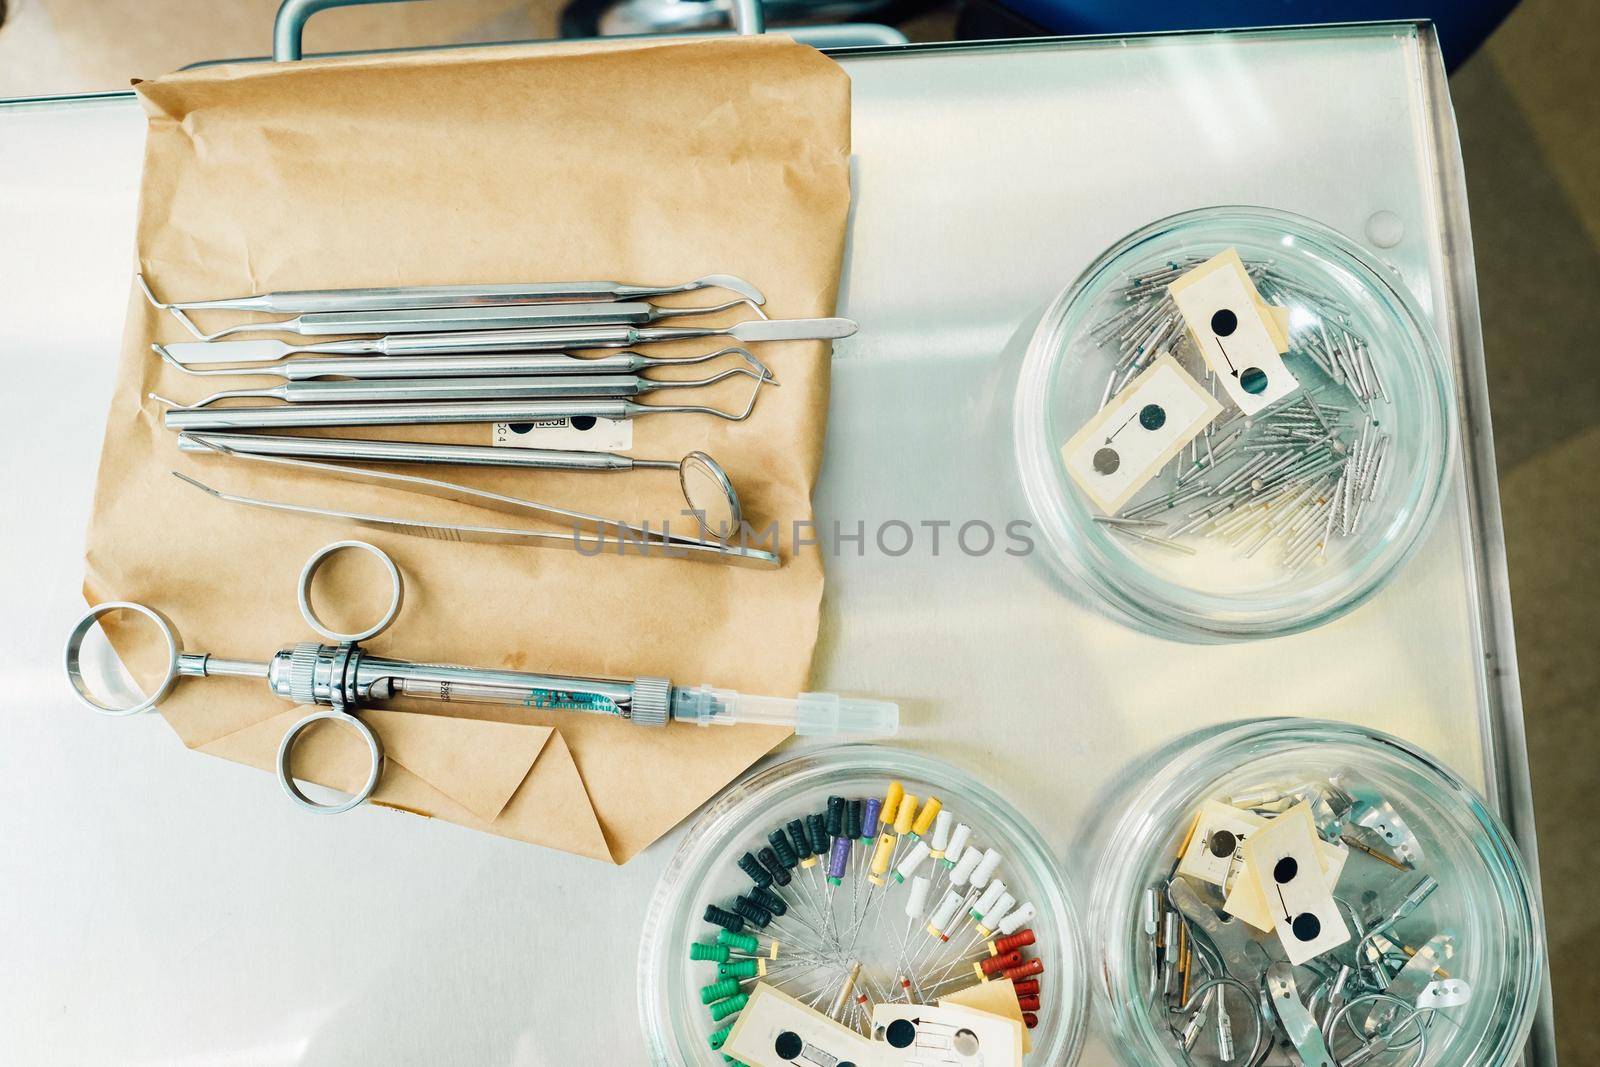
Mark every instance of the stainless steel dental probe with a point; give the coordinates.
(343, 677)
(444, 296)
(445, 320)
(528, 388)
(591, 535)
(707, 490)
(430, 413)
(553, 339)
(512, 364)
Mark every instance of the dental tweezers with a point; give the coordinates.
(644, 539)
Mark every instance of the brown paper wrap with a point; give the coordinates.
(654, 163)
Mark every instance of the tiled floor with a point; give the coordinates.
(1529, 110)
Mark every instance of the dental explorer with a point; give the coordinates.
(444, 320)
(399, 298)
(531, 340)
(509, 365)
(412, 389)
(427, 413)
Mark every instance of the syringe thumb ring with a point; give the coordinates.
(286, 775)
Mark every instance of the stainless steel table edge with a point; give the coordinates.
(1506, 771)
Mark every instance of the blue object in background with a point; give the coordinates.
(1462, 24)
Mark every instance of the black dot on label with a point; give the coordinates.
(1223, 842)
(788, 1046)
(901, 1033)
(1106, 461)
(520, 427)
(583, 422)
(1306, 926)
(1224, 322)
(1285, 871)
(1253, 380)
(1152, 416)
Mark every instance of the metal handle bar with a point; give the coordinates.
(288, 28)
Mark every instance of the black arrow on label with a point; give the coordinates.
(1124, 426)
(1231, 368)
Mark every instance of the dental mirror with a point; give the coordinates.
(710, 495)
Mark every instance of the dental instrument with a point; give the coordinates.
(342, 678)
(514, 364)
(590, 535)
(417, 389)
(707, 490)
(444, 320)
(428, 413)
(444, 296)
(529, 340)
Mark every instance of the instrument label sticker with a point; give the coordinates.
(922, 1035)
(577, 433)
(1214, 845)
(1240, 335)
(1244, 899)
(1284, 859)
(776, 1030)
(1139, 432)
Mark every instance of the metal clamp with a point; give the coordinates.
(1376, 1045)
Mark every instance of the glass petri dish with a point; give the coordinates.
(1481, 926)
(704, 871)
(1255, 556)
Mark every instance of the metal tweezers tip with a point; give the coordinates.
(204, 488)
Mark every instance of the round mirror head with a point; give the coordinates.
(710, 495)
